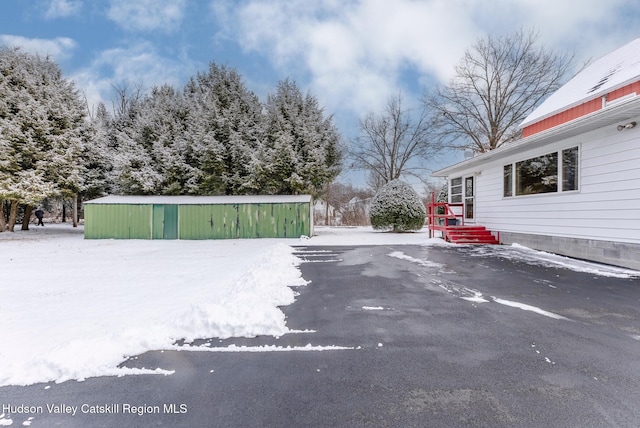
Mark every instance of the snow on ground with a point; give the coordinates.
(267, 348)
(347, 236)
(402, 256)
(541, 258)
(72, 308)
(526, 307)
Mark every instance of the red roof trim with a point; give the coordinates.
(580, 110)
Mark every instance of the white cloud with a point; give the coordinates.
(62, 8)
(353, 54)
(356, 51)
(147, 15)
(592, 28)
(138, 63)
(59, 48)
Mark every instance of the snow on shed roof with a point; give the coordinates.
(614, 70)
(201, 200)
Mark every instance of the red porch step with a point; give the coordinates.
(469, 235)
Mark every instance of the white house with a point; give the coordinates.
(571, 184)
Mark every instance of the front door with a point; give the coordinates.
(469, 199)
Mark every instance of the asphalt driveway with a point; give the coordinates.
(400, 336)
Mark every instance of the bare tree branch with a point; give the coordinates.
(395, 143)
(124, 95)
(498, 82)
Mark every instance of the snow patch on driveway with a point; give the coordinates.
(476, 298)
(402, 256)
(540, 258)
(530, 308)
(266, 348)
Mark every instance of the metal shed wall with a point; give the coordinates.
(117, 221)
(189, 220)
(269, 220)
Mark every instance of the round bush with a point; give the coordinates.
(398, 207)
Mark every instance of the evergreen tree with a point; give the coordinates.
(229, 123)
(41, 131)
(98, 155)
(398, 207)
(302, 153)
(133, 168)
(159, 129)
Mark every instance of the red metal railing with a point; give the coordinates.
(439, 219)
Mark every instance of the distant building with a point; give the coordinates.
(571, 184)
(326, 214)
(355, 212)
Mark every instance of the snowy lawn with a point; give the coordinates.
(72, 308)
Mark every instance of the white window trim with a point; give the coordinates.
(560, 191)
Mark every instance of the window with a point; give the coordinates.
(543, 174)
(456, 190)
(468, 186)
(468, 197)
(508, 180)
(537, 175)
(570, 169)
(468, 209)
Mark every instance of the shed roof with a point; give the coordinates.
(614, 70)
(201, 200)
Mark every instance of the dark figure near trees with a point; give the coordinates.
(39, 215)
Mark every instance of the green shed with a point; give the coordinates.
(198, 217)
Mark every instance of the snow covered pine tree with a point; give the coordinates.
(398, 207)
(41, 131)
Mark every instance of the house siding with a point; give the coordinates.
(606, 207)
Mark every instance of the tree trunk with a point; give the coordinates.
(326, 213)
(75, 210)
(27, 217)
(13, 215)
(64, 211)
(3, 222)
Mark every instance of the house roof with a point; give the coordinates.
(614, 70)
(201, 200)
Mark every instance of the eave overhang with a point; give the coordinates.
(611, 115)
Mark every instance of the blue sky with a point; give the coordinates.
(351, 54)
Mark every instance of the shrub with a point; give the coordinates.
(398, 207)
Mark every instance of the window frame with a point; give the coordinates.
(576, 178)
(507, 181)
(523, 182)
(459, 194)
(512, 167)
